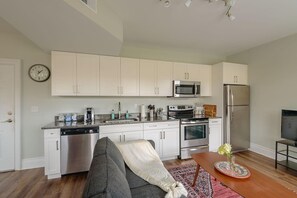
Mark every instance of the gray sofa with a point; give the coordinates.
(110, 177)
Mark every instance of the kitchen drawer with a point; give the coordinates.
(161, 125)
(215, 121)
(52, 133)
(120, 128)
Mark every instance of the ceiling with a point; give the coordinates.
(55, 25)
(203, 26)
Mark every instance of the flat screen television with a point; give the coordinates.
(289, 125)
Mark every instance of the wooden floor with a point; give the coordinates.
(32, 183)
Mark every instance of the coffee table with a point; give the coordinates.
(257, 185)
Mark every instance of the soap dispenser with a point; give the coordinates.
(112, 114)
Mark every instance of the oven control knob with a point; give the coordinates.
(91, 131)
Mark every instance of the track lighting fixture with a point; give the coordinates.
(166, 3)
(228, 3)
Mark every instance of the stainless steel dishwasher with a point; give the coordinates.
(77, 146)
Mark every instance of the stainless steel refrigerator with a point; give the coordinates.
(237, 116)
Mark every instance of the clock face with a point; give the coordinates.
(39, 73)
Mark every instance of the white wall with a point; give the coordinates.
(273, 80)
(169, 54)
(14, 45)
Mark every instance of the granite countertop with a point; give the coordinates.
(56, 125)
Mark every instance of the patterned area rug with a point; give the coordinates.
(206, 185)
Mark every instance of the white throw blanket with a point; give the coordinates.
(144, 161)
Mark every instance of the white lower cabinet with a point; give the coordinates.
(215, 134)
(122, 132)
(166, 137)
(52, 153)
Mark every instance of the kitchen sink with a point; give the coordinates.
(120, 121)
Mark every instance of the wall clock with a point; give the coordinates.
(39, 73)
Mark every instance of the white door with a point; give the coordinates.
(170, 142)
(7, 131)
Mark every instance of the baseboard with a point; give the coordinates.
(29, 163)
(262, 150)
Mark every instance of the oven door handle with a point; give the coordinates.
(194, 124)
(197, 148)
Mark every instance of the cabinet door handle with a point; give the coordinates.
(57, 145)
(120, 138)
(185, 76)
(124, 138)
(161, 135)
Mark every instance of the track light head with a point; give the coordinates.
(166, 3)
(188, 3)
(230, 16)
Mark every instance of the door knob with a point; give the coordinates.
(9, 120)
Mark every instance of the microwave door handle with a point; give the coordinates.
(195, 94)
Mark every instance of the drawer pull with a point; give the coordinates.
(57, 145)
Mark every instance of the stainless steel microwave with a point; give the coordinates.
(189, 89)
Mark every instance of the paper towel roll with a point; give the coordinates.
(142, 112)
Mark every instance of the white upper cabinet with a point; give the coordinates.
(119, 76)
(205, 78)
(63, 74)
(180, 71)
(87, 75)
(194, 72)
(147, 78)
(75, 74)
(164, 78)
(235, 73)
(110, 76)
(129, 77)
(155, 78)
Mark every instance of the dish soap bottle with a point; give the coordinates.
(112, 114)
(127, 115)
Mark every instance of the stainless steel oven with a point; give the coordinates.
(194, 137)
(194, 132)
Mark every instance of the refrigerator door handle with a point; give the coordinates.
(229, 121)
